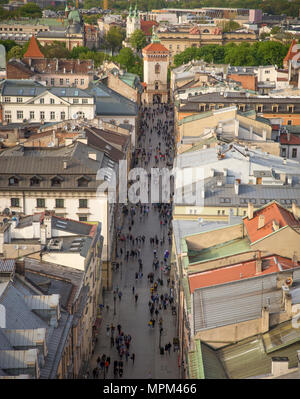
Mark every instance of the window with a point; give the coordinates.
(223, 212)
(62, 115)
(67, 81)
(15, 202)
(83, 203)
(51, 100)
(35, 181)
(75, 100)
(42, 115)
(82, 81)
(13, 181)
(219, 212)
(82, 218)
(59, 203)
(31, 115)
(40, 203)
(55, 181)
(7, 116)
(52, 115)
(82, 182)
(84, 101)
(42, 101)
(7, 99)
(294, 153)
(202, 108)
(19, 114)
(19, 99)
(76, 81)
(259, 108)
(52, 81)
(242, 107)
(283, 152)
(289, 122)
(156, 85)
(290, 108)
(61, 81)
(267, 71)
(274, 108)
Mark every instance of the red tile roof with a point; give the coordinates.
(294, 140)
(33, 50)
(155, 47)
(238, 272)
(146, 26)
(291, 53)
(271, 212)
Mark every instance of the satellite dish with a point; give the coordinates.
(75, 116)
(6, 211)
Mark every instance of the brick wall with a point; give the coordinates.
(248, 81)
(116, 84)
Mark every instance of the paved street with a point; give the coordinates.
(134, 317)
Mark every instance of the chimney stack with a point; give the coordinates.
(20, 267)
(236, 187)
(295, 259)
(65, 164)
(258, 263)
(261, 221)
(250, 210)
(275, 225)
(288, 136)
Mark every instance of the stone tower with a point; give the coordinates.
(133, 22)
(156, 62)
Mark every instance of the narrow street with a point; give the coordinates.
(135, 316)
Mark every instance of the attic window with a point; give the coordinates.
(56, 181)
(82, 182)
(13, 181)
(35, 181)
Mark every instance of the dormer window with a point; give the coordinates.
(13, 181)
(35, 181)
(157, 68)
(56, 181)
(83, 181)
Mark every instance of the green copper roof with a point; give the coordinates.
(130, 11)
(67, 8)
(155, 38)
(195, 363)
(75, 16)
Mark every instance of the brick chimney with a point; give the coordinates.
(250, 210)
(261, 221)
(20, 267)
(275, 225)
(258, 263)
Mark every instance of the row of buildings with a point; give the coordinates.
(235, 254)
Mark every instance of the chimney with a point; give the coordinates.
(43, 234)
(56, 64)
(47, 224)
(261, 221)
(264, 135)
(65, 163)
(288, 136)
(258, 263)
(93, 156)
(20, 267)
(236, 187)
(275, 225)
(295, 260)
(251, 133)
(280, 366)
(295, 210)
(250, 210)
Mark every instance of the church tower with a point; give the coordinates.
(156, 62)
(133, 22)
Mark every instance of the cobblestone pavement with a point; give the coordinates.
(134, 317)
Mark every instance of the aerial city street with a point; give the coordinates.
(149, 190)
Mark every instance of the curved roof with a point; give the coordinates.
(75, 16)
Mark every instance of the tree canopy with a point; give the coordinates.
(129, 61)
(113, 38)
(138, 39)
(259, 53)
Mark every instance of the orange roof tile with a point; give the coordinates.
(146, 26)
(155, 47)
(33, 50)
(294, 140)
(271, 212)
(237, 272)
(291, 53)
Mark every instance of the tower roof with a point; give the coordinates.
(33, 50)
(155, 48)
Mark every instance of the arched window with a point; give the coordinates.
(157, 68)
(206, 31)
(156, 85)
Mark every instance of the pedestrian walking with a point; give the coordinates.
(136, 298)
(132, 357)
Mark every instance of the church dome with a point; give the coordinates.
(74, 28)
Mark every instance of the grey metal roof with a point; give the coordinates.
(109, 102)
(31, 88)
(4, 342)
(70, 226)
(235, 302)
(7, 265)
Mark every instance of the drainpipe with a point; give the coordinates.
(24, 202)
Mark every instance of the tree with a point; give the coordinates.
(8, 44)
(113, 38)
(138, 39)
(31, 10)
(126, 58)
(15, 52)
(56, 50)
(275, 30)
(230, 26)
